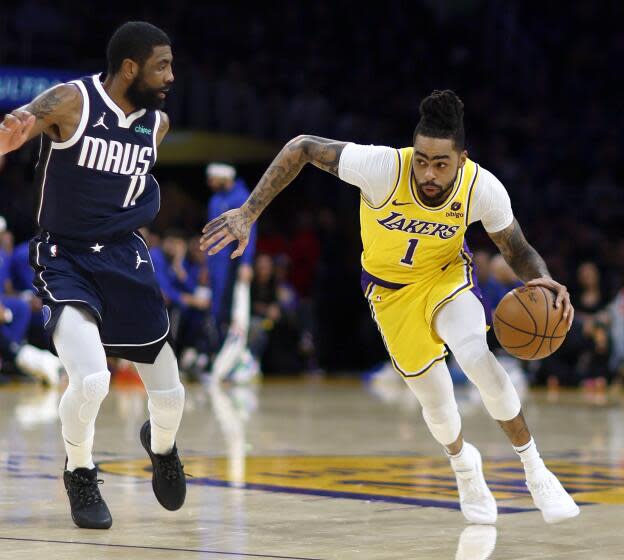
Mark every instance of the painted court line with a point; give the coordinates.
(195, 550)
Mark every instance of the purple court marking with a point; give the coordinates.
(196, 550)
(347, 495)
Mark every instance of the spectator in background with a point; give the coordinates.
(197, 335)
(589, 297)
(177, 285)
(273, 335)
(21, 276)
(593, 360)
(15, 315)
(230, 279)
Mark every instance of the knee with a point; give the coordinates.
(441, 413)
(91, 391)
(472, 353)
(95, 387)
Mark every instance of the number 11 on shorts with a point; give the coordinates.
(408, 259)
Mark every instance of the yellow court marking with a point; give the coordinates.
(419, 480)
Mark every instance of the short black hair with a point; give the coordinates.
(442, 116)
(134, 40)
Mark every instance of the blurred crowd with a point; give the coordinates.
(542, 113)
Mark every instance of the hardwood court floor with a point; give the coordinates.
(316, 470)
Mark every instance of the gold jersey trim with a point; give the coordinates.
(396, 185)
(470, 191)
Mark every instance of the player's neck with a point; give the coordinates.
(116, 90)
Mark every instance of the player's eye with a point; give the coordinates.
(441, 165)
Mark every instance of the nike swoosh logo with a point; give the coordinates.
(395, 203)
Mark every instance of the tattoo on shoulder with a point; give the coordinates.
(45, 104)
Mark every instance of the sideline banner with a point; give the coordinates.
(18, 85)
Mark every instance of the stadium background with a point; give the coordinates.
(542, 112)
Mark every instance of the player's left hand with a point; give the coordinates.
(230, 226)
(14, 130)
(562, 296)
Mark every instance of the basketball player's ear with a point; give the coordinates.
(463, 156)
(129, 69)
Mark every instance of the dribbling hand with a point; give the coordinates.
(14, 130)
(561, 293)
(230, 226)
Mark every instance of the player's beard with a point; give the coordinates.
(440, 196)
(143, 96)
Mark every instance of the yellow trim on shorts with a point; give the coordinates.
(408, 375)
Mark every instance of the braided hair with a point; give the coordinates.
(442, 116)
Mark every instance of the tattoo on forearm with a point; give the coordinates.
(321, 152)
(522, 257)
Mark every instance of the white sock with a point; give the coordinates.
(462, 460)
(162, 440)
(79, 454)
(530, 457)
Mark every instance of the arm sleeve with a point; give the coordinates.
(371, 168)
(491, 204)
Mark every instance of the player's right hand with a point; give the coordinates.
(14, 130)
(230, 226)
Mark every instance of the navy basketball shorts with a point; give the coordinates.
(114, 281)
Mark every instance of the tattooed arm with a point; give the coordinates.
(56, 112)
(236, 224)
(529, 266)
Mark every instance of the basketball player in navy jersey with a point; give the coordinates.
(99, 139)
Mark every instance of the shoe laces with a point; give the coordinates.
(170, 466)
(86, 489)
(546, 488)
(470, 483)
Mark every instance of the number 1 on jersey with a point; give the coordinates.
(408, 259)
(130, 199)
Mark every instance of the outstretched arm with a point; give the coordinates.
(236, 224)
(529, 266)
(48, 113)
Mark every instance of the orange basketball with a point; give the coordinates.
(527, 324)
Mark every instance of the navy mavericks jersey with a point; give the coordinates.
(97, 184)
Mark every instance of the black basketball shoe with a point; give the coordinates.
(168, 478)
(88, 509)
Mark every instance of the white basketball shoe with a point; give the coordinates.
(40, 364)
(475, 499)
(550, 497)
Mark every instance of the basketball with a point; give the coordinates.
(528, 325)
